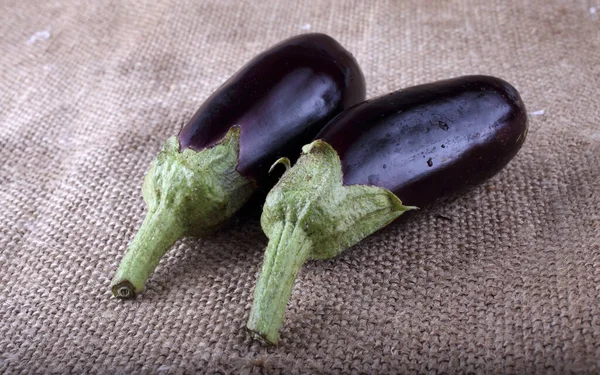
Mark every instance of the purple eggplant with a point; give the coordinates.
(410, 147)
(426, 142)
(275, 104)
(280, 101)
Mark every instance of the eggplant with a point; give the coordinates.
(275, 104)
(428, 141)
(372, 163)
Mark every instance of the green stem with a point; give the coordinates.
(188, 193)
(309, 214)
(158, 233)
(288, 249)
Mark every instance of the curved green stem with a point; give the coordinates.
(309, 214)
(188, 193)
(157, 234)
(288, 249)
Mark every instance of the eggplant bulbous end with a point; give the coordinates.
(188, 193)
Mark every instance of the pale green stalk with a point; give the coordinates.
(309, 214)
(188, 193)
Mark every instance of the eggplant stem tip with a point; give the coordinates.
(123, 290)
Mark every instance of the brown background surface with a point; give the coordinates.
(507, 282)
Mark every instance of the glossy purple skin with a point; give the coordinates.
(429, 141)
(280, 100)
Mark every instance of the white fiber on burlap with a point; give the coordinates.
(503, 279)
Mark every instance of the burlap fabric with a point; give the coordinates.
(504, 279)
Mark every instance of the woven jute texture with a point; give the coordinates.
(503, 279)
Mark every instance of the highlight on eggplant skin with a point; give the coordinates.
(280, 101)
(429, 141)
(221, 158)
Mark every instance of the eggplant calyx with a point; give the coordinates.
(309, 214)
(188, 193)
